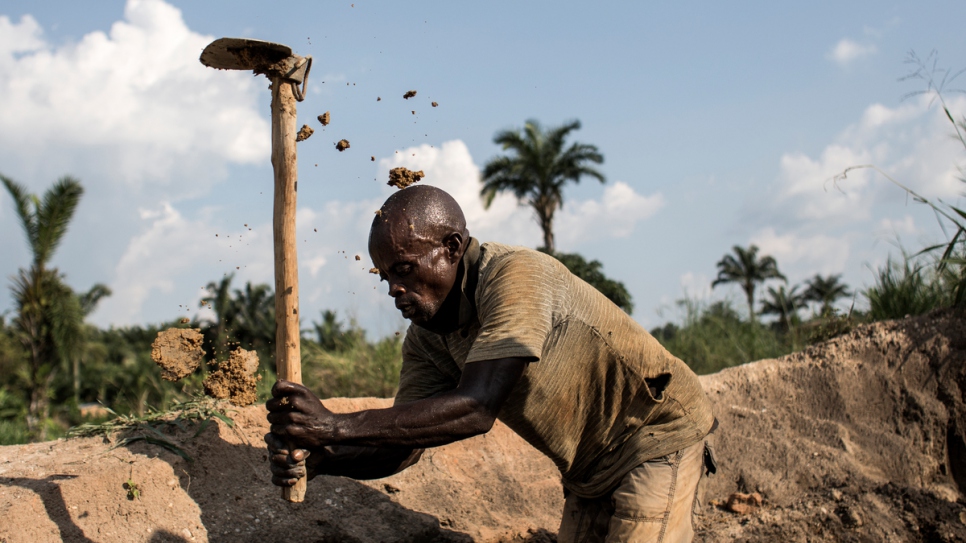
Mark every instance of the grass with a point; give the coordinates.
(713, 337)
(197, 413)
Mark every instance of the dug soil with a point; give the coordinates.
(178, 352)
(402, 177)
(858, 439)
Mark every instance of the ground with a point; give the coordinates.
(858, 439)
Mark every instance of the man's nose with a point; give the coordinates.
(396, 290)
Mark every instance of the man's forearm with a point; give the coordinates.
(425, 423)
(366, 462)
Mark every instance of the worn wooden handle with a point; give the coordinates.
(288, 360)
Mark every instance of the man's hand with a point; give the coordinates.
(298, 417)
(285, 464)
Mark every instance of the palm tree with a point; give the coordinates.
(826, 290)
(539, 169)
(219, 300)
(88, 303)
(254, 317)
(49, 314)
(747, 270)
(783, 303)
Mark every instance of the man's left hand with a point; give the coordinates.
(298, 417)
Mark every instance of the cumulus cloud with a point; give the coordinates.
(451, 168)
(846, 51)
(802, 255)
(133, 105)
(912, 143)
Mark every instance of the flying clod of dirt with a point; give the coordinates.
(372, 158)
(325, 118)
(304, 133)
(178, 352)
(374, 271)
(342, 145)
(401, 177)
(409, 94)
(434, 104)
(235, 380)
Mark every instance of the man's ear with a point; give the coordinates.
(454, 246)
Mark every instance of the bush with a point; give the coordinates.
(905, 289)
(713, 337)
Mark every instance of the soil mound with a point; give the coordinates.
(859, 439)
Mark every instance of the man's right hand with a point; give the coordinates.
(285, 464)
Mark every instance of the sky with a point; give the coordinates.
(720, 125)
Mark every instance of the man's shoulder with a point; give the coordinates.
(495, 255)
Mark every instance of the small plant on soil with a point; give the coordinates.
(133, 490)
(197, 413)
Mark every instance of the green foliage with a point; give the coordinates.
(825, 291)
(713, 337)
(746, 270)
(49, 316)
(590, 272)
(538, 169)
(354, 366)
(904, 288)
(192, 416)
(784, 304)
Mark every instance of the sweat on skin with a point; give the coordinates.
(497, 331)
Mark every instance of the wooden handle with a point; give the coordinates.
(288, 358)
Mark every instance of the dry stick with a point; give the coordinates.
(287, 349)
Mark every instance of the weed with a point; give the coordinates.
(133, 490)
(200, 412)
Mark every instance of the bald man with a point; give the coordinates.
(508, 332)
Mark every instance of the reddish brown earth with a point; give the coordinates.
(402, 177)
(235, 379)
(858, 439)
(178, 352)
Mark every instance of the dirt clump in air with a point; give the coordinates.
(325, 119)
(178, 352)
(235, 379)
(342, 145)
(402, 177)
(374, 271)
(409, 94)
(434, 104)
(304, 133)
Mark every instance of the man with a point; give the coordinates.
(506, 332)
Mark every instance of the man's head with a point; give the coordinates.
(417, 240)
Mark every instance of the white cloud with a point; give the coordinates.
(846, 51)
(614, 215)
(451, 168)
(803, 255)
(133, 106)
(912, 143)
(696, 286)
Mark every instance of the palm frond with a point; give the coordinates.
(54, 215)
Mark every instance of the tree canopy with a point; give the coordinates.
(538, 168)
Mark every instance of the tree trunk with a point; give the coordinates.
(750, 294)
(546, 224)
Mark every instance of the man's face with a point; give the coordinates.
(420, 271)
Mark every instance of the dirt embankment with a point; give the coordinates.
(859, 439)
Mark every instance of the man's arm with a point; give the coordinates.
(340, 460)
(298, 418)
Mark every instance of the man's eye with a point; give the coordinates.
(404, 269)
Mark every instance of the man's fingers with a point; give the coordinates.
(299, 455)
(275, 445)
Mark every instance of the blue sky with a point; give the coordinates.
(720, 125)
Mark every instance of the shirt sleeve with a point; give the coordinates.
(515, 307)
(419, 377)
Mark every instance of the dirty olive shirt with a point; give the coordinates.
(600, 396)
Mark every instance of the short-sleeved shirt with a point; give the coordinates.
(600, 396)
